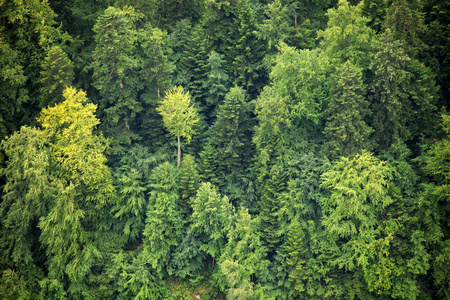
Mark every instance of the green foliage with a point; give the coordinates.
(179, 116)
(211, 219)
(28, 30)
(115, 65)
(230, 132)
(131, 204)
(216, 85)
(27, 192)
(435, 205)
(69, 127)
(346, 130)
(57, 73)
(189, 181)
(347, 36)
(244, 256)
(403, 93)
(405, 19)
(13, 286)
(369, 236)
(287, 22)
(164, 223)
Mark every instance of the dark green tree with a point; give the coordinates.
(230, 133)
(435, 207)
(346, 130)
(57, 73)
(189, 182)
(164, 223)
(208, 168)
(116, 77)
(216, 85)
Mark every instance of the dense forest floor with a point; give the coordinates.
(224, 149)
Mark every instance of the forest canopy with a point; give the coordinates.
(224, 149)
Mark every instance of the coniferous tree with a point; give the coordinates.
(391, 104)
(243, 257)
(116, 77)
(230, 132)
(347, 37)
(57, 73)
(346, 129)
(189, 181)
(83, 193)
(216, 85)
(211, 219)
(435, 208)
(368, 238)
(208, 168)
(164, 223)
(156, 73)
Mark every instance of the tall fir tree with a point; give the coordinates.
(346, 130)
(116, 77)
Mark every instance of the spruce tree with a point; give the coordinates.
(57, 73)
(189, 181)
(164, 222)
(216, 86)
(346, 129)
(116, 77)
(230, 133)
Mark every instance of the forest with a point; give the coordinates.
(225, 149)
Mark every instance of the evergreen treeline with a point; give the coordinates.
(224, 149)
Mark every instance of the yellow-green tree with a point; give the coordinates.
(179, 116)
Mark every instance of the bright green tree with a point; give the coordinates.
(243, 257)
(179, 116)
(362, 219)
(83, 195)
(211, 219)
(347, 37)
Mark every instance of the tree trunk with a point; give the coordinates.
(179, 152)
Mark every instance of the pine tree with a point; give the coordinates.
(189, 181)
(57, 73)
(208, 168)
(116, 77)
(295, 249)
(346, 129)
(216, 85)
(389, 88)
(211, 219)
(230, 132)
(164, 223)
